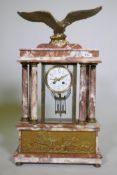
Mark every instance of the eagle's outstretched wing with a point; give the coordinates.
(78, 15)
(58, 26)
(40, 16)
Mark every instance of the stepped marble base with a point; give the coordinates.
(53, 143)
(20, 159)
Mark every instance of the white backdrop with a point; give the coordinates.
(98, 32)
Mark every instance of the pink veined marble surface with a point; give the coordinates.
(70, 53)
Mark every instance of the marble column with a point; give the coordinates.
(33, 93)
(25, 116)
(29, 95)
(83, 90)
(87, 90)
(92, 94)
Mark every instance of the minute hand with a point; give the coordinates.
(62, 77)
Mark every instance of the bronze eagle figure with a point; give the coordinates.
(58, 26)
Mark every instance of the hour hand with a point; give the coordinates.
(55, 80)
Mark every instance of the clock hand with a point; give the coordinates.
(62, 77)
(55, 80)
(58, 79)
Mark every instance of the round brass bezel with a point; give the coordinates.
(54, 68)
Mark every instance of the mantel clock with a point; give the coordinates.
(64, 128)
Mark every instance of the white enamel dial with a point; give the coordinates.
(58, 79)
